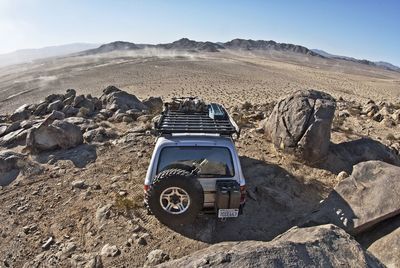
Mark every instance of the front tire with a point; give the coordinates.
(175, 197)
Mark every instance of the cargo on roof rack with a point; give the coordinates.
(192, 115)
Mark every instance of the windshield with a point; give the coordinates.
(204, 161)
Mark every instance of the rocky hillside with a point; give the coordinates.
(72, 169)
(186, 44)
(192, 46)
(114, 46)
(243, 44)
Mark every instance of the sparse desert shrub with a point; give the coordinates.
(126, 206)
(246, 105)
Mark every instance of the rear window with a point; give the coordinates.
(208, 161)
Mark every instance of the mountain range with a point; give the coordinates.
(236, 44)
(193, 46)
(185, 44)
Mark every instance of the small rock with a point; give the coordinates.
(69, 110)
(155, 257)
(342, 175)
(29, 228)
(144, 118)
(136, 228)
(48, 243)
(55, 106)
(122, 193)
(102, 213)
(344, 114)
(54, 97)
(70, 93)
(127, 119)
(41, 109)
(142, 241)
(378, 117)
(117, 178)
(388, 122)
(129, 242)
(79, 184)
(109, 251)
(396, 116)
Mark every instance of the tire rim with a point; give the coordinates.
(174, 200)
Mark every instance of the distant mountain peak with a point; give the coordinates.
(113, 46)
(379, 64)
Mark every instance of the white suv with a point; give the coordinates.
(194, 165)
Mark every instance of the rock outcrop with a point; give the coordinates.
(301, 125)
(367, 197)
(321, 246)
(115, 99)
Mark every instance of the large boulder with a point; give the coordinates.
(41, 109)
(343, 156)
(53, 134)
(14, 138)
(55, 106)
(116, 99)
(367, 197)
(81, 101)
(322, 246)
(7, 128)
(300, 124)
(155, 104)
(21, 113)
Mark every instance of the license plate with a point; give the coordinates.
(228, 213)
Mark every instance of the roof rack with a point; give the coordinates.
(192, 115)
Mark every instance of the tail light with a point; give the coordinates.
(242, 194)
(146, 188)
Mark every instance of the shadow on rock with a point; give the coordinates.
(276, 201)
(383, 241)
(80, 155)
(8, 177)
(336, 211)
(343, 156)
(379, 231)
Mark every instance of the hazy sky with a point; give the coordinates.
(362, 29)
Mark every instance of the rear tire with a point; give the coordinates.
(175, 197)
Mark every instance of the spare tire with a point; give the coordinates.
(175, 197)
